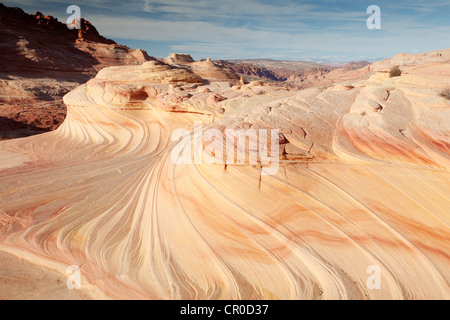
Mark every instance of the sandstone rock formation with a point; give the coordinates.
(362, 183)
(296, 74)
(204, 68)
(248, 69)
(42, 59)
(37, 45)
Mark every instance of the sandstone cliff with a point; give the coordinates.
(41, 61)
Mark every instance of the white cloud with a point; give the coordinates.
(252, 28)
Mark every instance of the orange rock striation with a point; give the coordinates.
(363, 181)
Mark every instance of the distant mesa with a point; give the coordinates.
(300, 74)
(179, 58)
(204, 68)
(151, 71)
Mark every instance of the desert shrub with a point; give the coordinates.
(395, 72)
(446, 94)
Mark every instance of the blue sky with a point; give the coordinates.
(325, 30)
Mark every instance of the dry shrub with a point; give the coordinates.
(446, 94)
(395, 72)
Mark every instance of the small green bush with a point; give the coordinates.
(446, 94)
(395, 72)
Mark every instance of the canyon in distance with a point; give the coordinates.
(87, 176)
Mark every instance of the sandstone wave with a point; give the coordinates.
(363, 181)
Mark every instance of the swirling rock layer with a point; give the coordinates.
(363, 181)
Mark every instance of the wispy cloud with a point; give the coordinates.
(250, 28)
